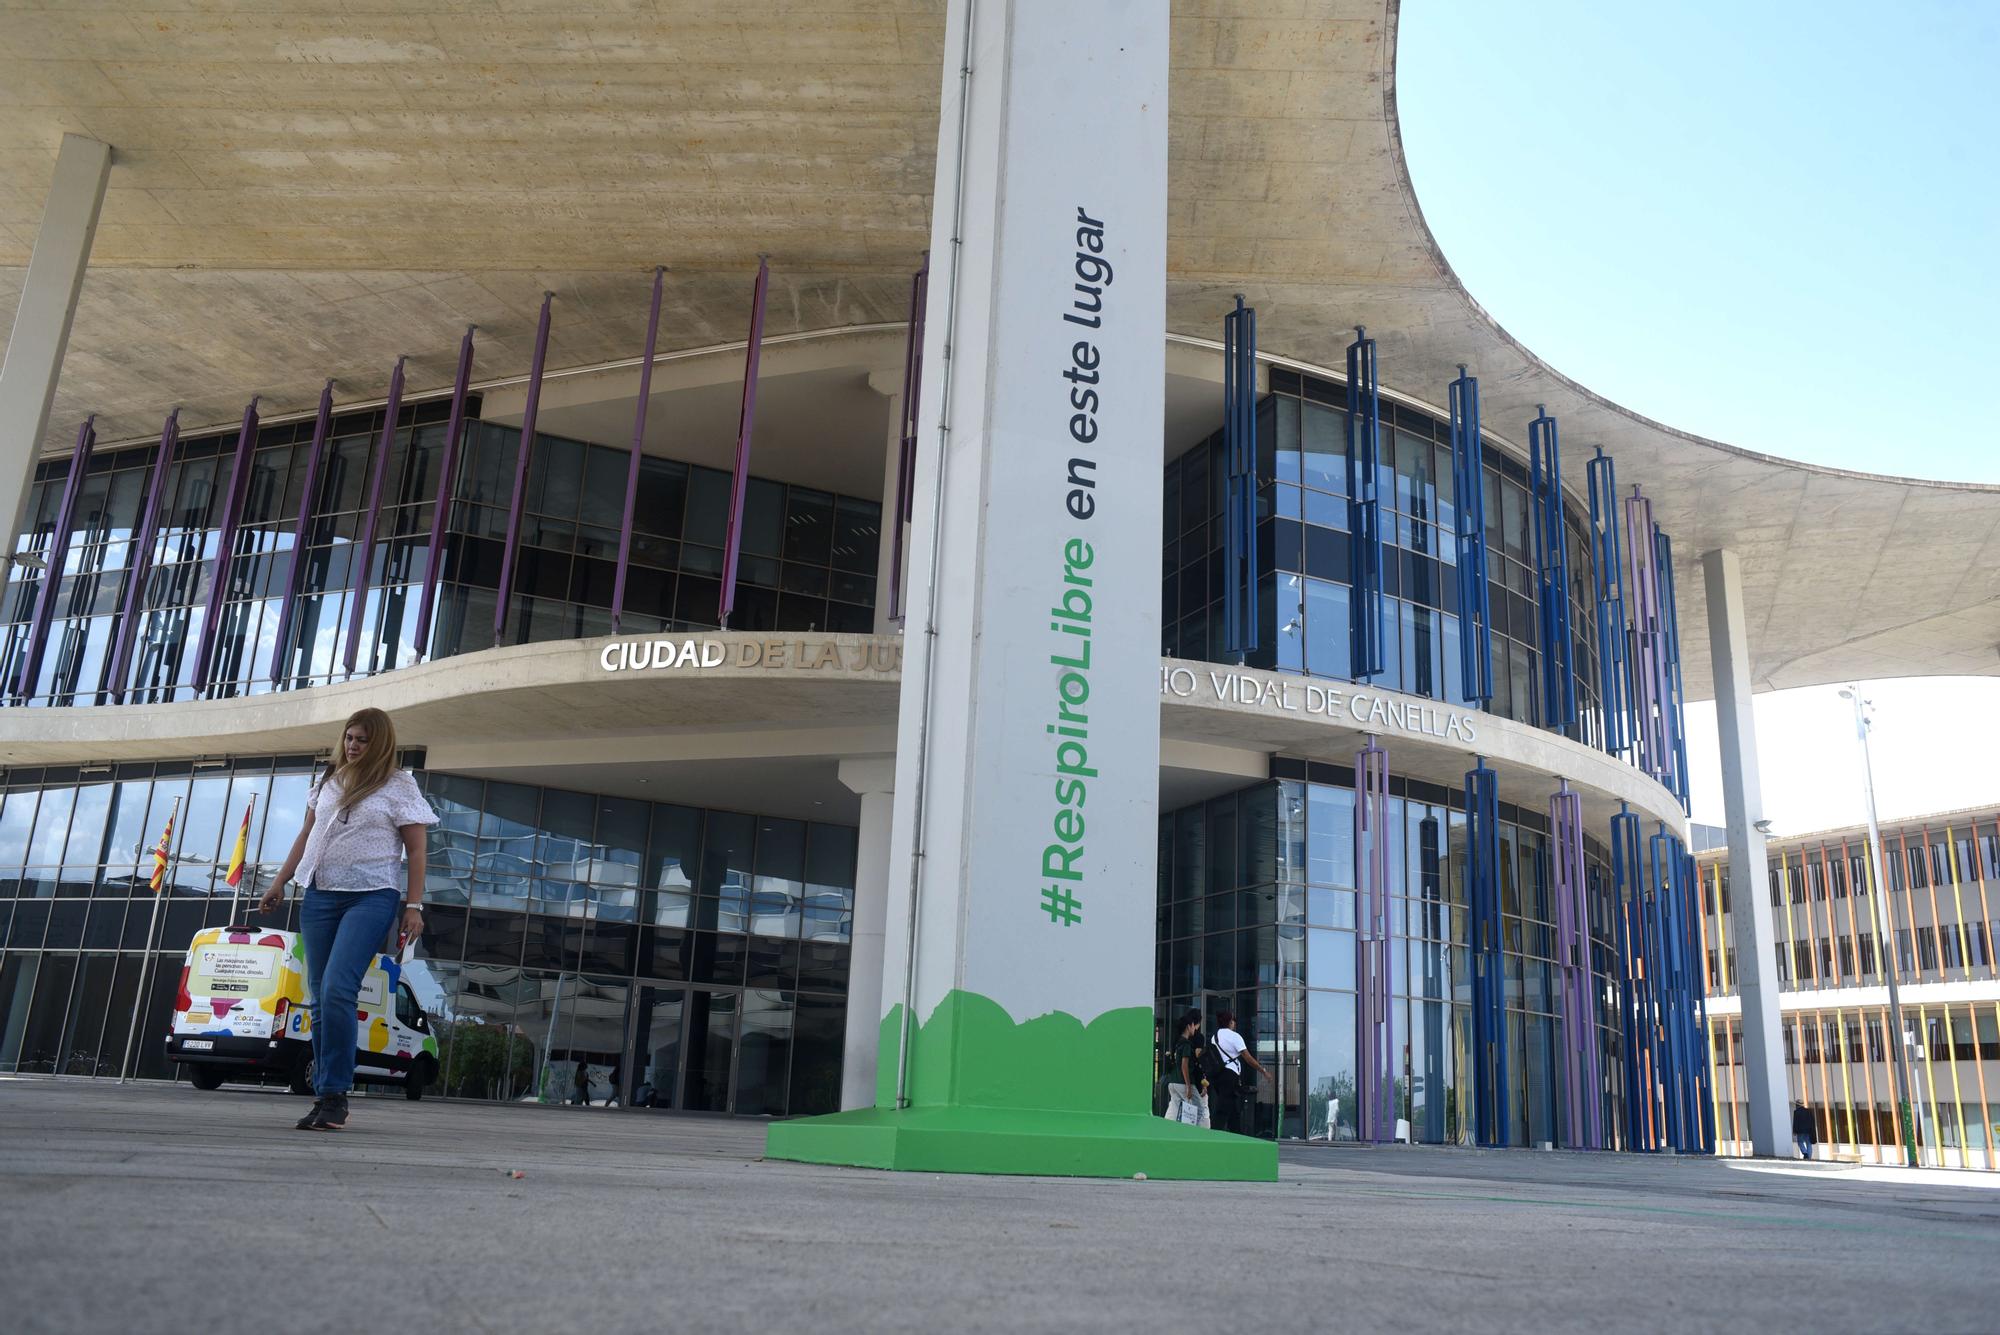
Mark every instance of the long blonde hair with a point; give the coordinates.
(359, 778)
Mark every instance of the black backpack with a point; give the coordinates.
(1212, 1069)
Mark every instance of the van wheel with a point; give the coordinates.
(419, 1079)
(302, 1075)
(205, 1077)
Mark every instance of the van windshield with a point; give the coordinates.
(226, 970)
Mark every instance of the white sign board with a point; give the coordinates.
(1041, 768)
(229, 962)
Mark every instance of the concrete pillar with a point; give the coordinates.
(1019, 986)
(1749, 897)
(875, 781)
(41, 322)
(889, 384)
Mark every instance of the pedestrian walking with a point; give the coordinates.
(362, 818)
(1227, 1087)
(1183, 1075)
(1803, 1130)
(583, 1083)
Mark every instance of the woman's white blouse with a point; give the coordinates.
(362, 848)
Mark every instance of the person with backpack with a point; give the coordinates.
(1183, 1073)
(1223, 1065)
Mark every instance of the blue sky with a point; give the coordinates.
(1773, 223)
(1753, 221)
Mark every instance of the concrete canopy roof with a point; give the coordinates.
(315, 189)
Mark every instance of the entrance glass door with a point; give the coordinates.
(683, 1050)
(711, 1050)
(656, 1047)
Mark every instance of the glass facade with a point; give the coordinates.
(697, 959)
(1257, 909)
(690, 958)
(1302, 550)
(1942, 909)
(808, 558)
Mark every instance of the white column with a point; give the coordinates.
(875, 781)
(1749, 899)
(1039, 606)
(41, 322)
(889, 384)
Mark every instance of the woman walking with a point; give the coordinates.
(363, 817)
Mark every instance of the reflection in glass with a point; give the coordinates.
(764, 1055)
(657, 1046)
(711, 1041)
(1330, 1066)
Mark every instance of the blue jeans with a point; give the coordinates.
(344, 930)
(1805, 1146)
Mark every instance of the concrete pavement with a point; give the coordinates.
(161, 1208)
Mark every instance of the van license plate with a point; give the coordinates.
(196, 1044)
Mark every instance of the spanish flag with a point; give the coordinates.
(160, 854)
(235, 877)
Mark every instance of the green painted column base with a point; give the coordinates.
(1024, 1142)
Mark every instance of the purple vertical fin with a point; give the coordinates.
(733, 543)
(57, 560)
(147, 532)
(1582, 1086)
(371, 514)
(898, 514)
(288, 606)
(638, 451)
(1375, 1039)
(521, 472)
(447, 479)
(225, 550)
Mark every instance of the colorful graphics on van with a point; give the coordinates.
(242, 983)
(250, 983)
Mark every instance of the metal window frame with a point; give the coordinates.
(378, 468)
(447, 488)
(638, 452)
(739, 484)
(56, 560)
(511, 544)
(225, 552)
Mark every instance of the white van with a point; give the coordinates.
(242, 1009)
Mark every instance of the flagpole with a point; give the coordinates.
(146, 964)
(236, 890)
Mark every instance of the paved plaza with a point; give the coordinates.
(160, 1208)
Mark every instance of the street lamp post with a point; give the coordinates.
(1884, 927)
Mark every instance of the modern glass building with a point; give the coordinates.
(1836, 902)
(580, 423)
(699, 958)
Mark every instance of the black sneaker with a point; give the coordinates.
(332, 1114)
(306, 1123)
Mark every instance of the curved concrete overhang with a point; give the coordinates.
(293, 197)
(739, 693)
(730, 697)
